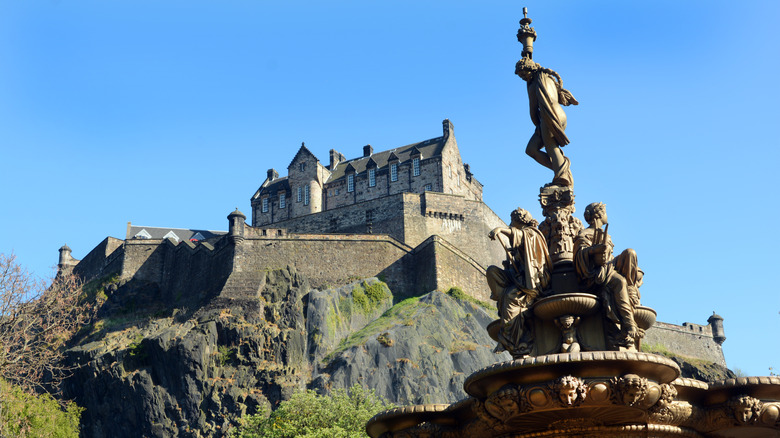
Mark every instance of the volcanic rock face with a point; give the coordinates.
(195, 372)
(419, 352)
(194, 368)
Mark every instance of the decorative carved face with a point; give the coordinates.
(568, 396)
(632, 395)
(567, 322)
(743, 413)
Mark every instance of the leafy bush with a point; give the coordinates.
(308, 415)
(368, 297)
(226, 355)
(27, 415)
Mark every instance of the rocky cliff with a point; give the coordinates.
(191, 366)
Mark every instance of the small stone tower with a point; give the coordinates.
(718, 333)
(66, 261)
(236, 223)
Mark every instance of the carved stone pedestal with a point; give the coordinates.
(559, 226)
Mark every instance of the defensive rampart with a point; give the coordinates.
(688, 340)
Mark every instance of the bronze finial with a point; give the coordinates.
(526, 35)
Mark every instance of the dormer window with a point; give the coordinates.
(351, 182)
(282, 200)
(265, 205)
(371, 177)
(394, 172)
(416, 166)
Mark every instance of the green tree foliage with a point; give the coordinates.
(308, 415)
(26, 415)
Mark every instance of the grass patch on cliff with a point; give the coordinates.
(364, 299)
(663, 351)
(401, 313)
(458, 294)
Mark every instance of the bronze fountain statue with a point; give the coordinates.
(570, 316)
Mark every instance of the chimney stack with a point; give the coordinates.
(447, 127)
(335, 159)
(272, 174)
(367, 150)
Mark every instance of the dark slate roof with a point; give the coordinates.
(279, 184)
(181, 233)
(273, 187)
(428, 148)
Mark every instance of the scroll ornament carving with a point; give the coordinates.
(668, 411)
(506, 403)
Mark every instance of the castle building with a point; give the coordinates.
(432, 165)
(412, 215)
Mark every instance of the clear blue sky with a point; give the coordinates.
(170, 113)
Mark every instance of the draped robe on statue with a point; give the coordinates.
(516, 287)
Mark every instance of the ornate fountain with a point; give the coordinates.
(570, 315)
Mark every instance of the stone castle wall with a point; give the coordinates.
(238, 262)
(412, 218)
(105, 259)
(688, 340)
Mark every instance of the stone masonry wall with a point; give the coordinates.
(446, 266)
(104, 259)
(412, 218)
(327, 259)
(461, 222)
(689, 340)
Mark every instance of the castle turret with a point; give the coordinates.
(236, 223)
(718, 333)
(66, 261)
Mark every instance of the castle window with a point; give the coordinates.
(351, 182)
(416, 166)
(371, 177)
(458, 180)
(337, 192)
(265, 205)
(300, 194)
(282, 200)
(427, 188)
(302, 167)
(394, 172)
(306, 195)
(449, 169)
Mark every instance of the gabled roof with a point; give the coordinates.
(138, 232)
(303, 151)
(428, 148)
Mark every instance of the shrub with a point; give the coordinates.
(309, 415)
(27, 415)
